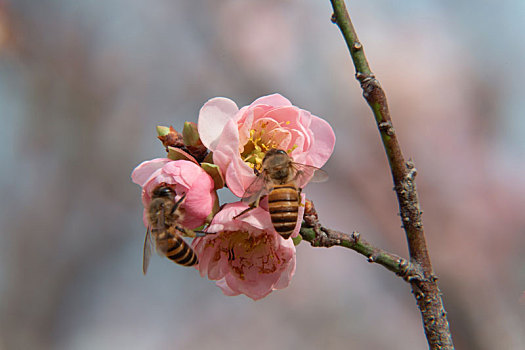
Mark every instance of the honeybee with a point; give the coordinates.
(164, 215)
(281, 179)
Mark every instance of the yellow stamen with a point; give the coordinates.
(290, 150)
(255, 148)
(245, 251)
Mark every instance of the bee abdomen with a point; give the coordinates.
(283, 193)
(285, 229)
(181, 252)
(283, 204)
(282, 217)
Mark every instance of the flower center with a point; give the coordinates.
(264, 137)
(248, 252)
(256, 147)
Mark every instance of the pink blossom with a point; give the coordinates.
(185, 177)
(240, 138)
(245, 255)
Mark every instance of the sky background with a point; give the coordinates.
(84, 83)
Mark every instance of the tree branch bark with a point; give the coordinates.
(319, 236)
(425, 290)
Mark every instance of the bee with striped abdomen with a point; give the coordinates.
(281, 179)
(164, 215)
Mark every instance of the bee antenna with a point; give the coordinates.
(203, 233)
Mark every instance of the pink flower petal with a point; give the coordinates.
(205, 255)
(245, 257)
(236, 173)
(245, 126)
(257, 218)
(185, 177)
(309, 139)
(214, 268)
(198, 202)
(238, 177)
(324, 142)
(226, 288)
(286, 276)
(213, 116)
(231, 281)
(281, 137)
(275, 100)
(256, 291)
(144, 170)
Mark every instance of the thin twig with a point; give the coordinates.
(320, 236)
(329, 238)
(426, 291)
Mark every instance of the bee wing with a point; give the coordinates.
(161, 222)
(148, 248)
(256, 190)
(308, 173)
(148, 241)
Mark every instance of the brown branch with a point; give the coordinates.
(426, 291)
(320, 236)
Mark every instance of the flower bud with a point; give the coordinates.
(191, 134)
(170, 137)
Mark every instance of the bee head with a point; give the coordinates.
(276, 164)
(275, 152)
(163, 191)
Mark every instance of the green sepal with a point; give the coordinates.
(175, 153)
(215, 173)
(215, 209)
(162, 130)
(190, 134)
(208, 158)
(297, 240)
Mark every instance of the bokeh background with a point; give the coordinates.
(84, 83)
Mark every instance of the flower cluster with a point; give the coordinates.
(240, 248)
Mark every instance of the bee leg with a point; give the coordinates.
(178, 203)
(252, 206)
(203, 233)
(185, 232)
(244, 211)
(200, 233)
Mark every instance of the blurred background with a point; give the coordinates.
(84, 83)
